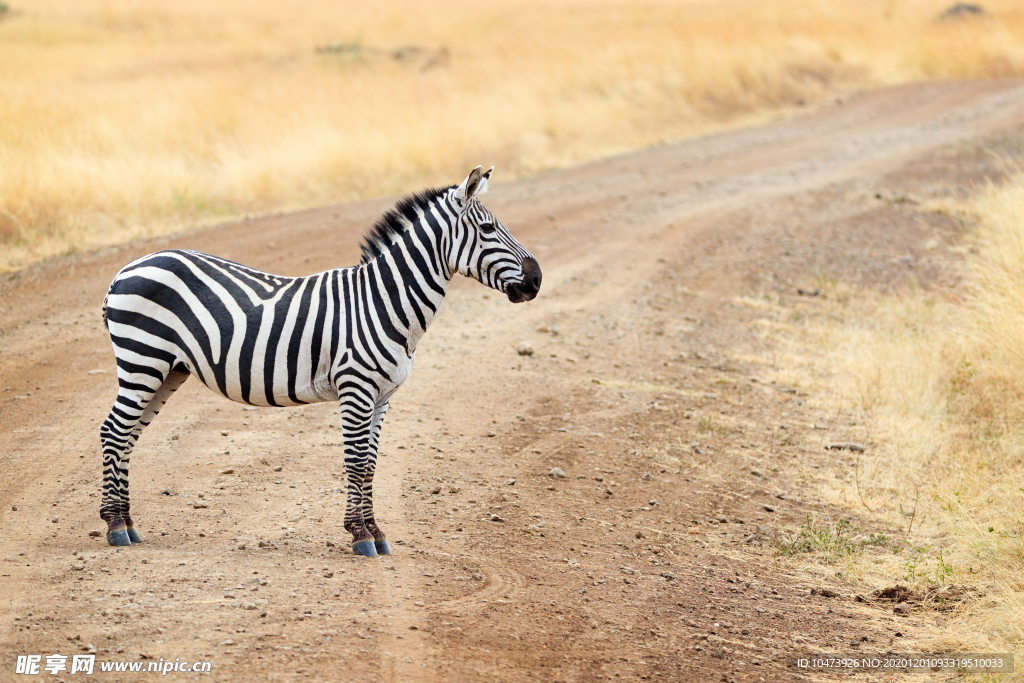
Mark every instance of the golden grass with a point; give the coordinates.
(128, 118)
(939, 384)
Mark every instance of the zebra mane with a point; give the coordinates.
(395, 221)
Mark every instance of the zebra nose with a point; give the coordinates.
(531, 276)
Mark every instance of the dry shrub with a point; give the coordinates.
(121, 118)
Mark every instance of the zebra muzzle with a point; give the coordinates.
(527, 289)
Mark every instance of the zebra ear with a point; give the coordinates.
(469, 187)
(483, 182)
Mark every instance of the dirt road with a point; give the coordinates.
(649, 385)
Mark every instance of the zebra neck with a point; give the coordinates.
(407, 290)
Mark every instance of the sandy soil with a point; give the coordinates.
(649, 386)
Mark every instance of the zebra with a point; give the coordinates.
(346, 335)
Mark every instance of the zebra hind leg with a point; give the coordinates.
(134, 408)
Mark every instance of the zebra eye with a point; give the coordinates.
(487, 227)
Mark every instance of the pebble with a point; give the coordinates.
(510, 482)
(436, 490)
(845, 446)
(54, 519)
(496, 518)
(647, 476)
(557, 473)
(224, 432)
(168, 492)
(78, 567)
(418, 604)
(95, 534)
(198, 504)
(14, 508)
(278, 468)
(478, 577)
(690, 622)
(769, 508)
(228, 471)
(755, 473)
(901, 609)
(639, 534)
(524, 349)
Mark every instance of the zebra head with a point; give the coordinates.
(482, 247)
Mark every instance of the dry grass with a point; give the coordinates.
(940, 386)
(127, 118)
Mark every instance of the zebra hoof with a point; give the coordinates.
(119, 537)
(133, 536)
(383, 548)
(364, 548)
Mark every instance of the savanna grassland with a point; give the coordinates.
(934, 374)
(123, 119)
(937, 374)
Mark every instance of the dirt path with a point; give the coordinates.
(650, 386)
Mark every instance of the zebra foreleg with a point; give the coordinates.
(357, 425)
(379, 539)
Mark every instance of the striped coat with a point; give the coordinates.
(348, 334)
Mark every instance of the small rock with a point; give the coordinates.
(55, 519)
(492, 434)
(264, 544)
(414, 628)
(690, 622)
(97, 372)
(436, 490)
(769, 508)
(524, 349)
(652, 503)
(14, 508)
(224, 432)
(228, 642)
(168, 492)
(199, 504)
(78, 567)
(755, 473)
(418, 603)
(328, 575)
(845, 446)
(557, 473)
(228, 471)
(478, 577)
(639, 534)
(496, 518)
(827, 593)
(248, 605)
(95, 534)
(961, 9)
(901, 610)
(278, 468)
(330, 544)
(510, 482)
